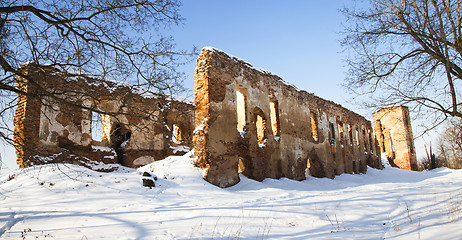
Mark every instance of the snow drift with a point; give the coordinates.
(63, 201)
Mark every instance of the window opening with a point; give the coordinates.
(177, 136)
(340, 131)
(314, 126)
(274, 115)
(120, 137)
(240, 166)
(364, 140)
(332, 133)
(357, 137)
(383, 142)
(240, 108)
(260, 124)
(350, 134)
(96, 125)
(308, 166)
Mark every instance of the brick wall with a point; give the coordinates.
(251, 121)
(26, 124)
(394, 132)
(137, 128)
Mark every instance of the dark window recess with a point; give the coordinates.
(332, 133)
(120, 136)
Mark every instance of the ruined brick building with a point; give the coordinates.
(138, 129)
(251, 121)
(244, 120)
(393, 130)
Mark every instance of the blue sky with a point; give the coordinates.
(297, 40)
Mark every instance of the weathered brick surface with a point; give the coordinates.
(258, 150)
(26, 124)
(246, 120)
(137, 129)
(394, 133)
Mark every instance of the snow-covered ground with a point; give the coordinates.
(72, 202)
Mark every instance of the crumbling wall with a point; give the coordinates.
(250, 121)
(393, 130)
(26, 124)
(136, 128)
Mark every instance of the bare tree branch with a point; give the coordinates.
(406, 52)
(116, 40)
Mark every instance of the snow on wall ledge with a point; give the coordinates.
(252, 122)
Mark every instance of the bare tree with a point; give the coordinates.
(450, 145)
(117, 40)
(407, 52)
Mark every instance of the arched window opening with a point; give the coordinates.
(260, 124)
(240, 166)
(177, 136)
(314, 126)
(350, 135)
(120, 137)
(241, 108)
(340, 131)
(96, 125)
(274, 115)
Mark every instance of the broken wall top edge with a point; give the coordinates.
(225, 55)
(100, 82)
